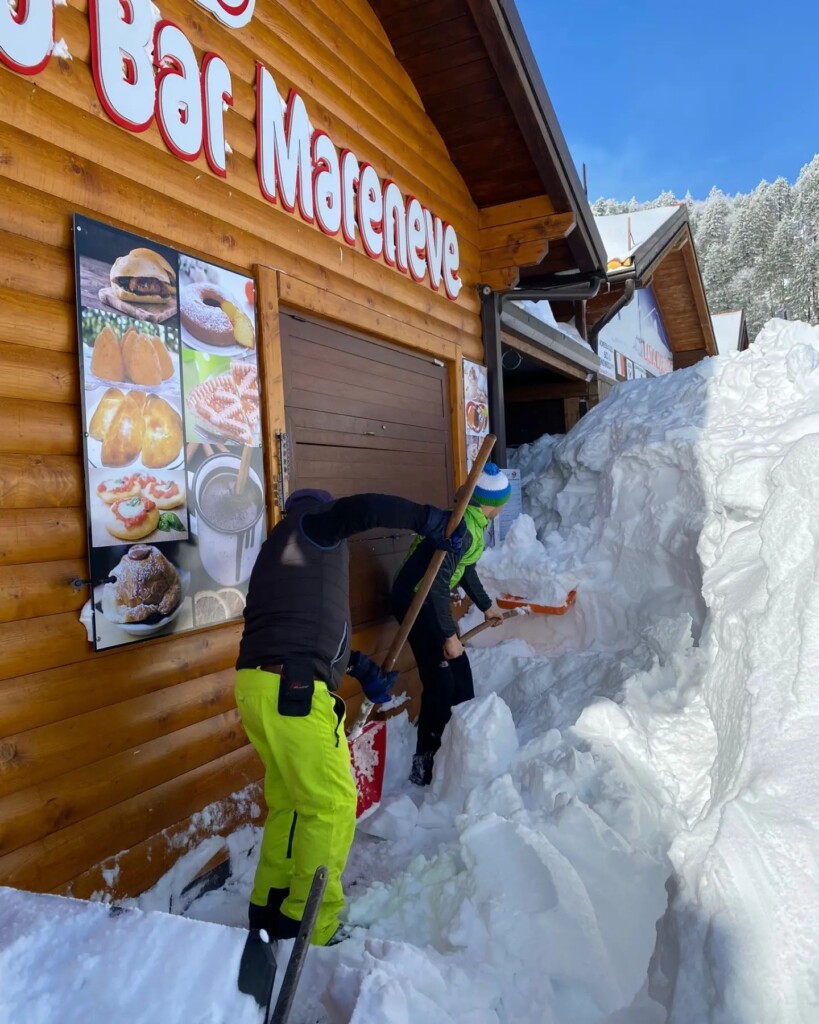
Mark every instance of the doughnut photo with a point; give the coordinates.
(217, 309)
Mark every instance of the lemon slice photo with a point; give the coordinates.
(234, 599)
(208, 607)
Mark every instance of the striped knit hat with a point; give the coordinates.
(493, 487)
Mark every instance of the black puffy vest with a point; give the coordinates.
(298, 603)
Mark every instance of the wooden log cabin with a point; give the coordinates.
(108, 758)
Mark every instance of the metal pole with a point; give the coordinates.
(491, 324)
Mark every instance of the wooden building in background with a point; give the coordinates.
(107, 760)
(652, 263)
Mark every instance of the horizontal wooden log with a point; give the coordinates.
(41, 481)
(299, 295)
(24, 373)
(61, 856)
(29, 591)
(518, 254)
(35, 644)
(34, 268)
(72, 796)
(39, 698)
(513, 213)
(29, 758)
(43, 428)
(41, 534)
(55, 324)
(137, 869)
(499, 280)
(544, 228)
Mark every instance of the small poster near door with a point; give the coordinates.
(476, 409)
(173, 449)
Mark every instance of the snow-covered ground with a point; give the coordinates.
(623, 826)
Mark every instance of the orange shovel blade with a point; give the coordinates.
(368, 755)
(510, 601)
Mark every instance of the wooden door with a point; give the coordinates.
(365, 416)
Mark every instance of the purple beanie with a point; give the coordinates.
(307, 494)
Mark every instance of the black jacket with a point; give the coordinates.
(413, 569)
(298, 601)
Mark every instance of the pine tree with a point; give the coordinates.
(757, 251)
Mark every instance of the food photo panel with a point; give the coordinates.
(121, 272)
(217, 309)
(119, 350)
(175, 479)
(140, 591)
(139, 506)
(133, 430)
(228, 523)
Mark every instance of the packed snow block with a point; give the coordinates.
(76, 962)
(398, 983)
(394, 818)
(478, 745)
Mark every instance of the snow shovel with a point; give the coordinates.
(257, 969)
(510, 601)
(368, 740)
(488, 625)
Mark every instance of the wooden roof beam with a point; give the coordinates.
(515, 235)
(698, 291)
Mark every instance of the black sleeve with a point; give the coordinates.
(439, 597)
(361, 512)
(474, 588)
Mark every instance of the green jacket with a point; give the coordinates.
(457, 570)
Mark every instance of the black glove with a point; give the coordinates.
(434, 529)
(374, 682)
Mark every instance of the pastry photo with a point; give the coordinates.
(120, 350)
(133, 429)
(144, 593)
(217, 309)
(137, 506)
(224, 407)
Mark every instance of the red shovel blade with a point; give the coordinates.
(368, 754)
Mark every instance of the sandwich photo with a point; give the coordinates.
(144, 278)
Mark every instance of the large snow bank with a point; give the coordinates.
(623, 826)
(649, 852)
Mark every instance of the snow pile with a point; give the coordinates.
(77, 962)
(649, 852)
(622, 826)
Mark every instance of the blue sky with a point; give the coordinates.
(658, 95)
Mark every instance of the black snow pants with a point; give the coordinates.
(445, 683)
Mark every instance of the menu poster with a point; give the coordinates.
(173, 449)
(500, 526)
(476, 409)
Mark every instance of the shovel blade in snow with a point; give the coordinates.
(511, 601)
(368, 753)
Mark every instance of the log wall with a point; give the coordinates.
(106, 759)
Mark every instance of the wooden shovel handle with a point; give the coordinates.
(485, 625)
(437, 559)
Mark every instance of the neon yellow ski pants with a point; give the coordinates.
(310, 795)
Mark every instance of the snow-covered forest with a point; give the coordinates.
(758, 251)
